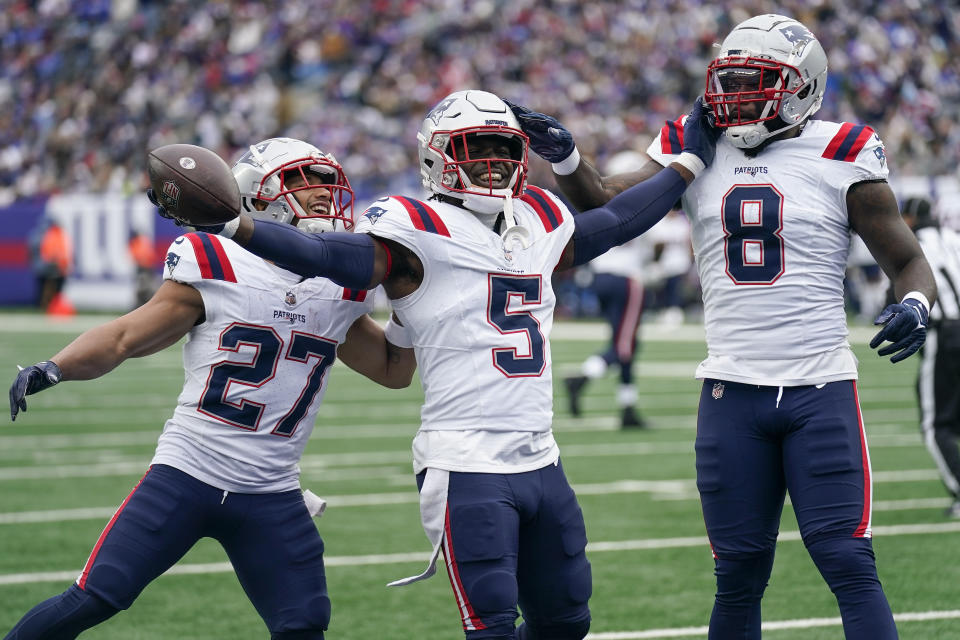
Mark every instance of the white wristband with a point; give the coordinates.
(230, 228)
(916, 295)
(568, 165)
(397, 334)
(691, 162)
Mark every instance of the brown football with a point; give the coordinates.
(193, 184)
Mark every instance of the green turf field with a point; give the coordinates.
(68, 462)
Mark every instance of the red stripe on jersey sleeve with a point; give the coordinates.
(201, 253)
(225, 265)
(858, 144)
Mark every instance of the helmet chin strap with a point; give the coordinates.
(513, 235)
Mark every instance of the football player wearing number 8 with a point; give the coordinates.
(468, 272)
(771, 221)
(260, 341)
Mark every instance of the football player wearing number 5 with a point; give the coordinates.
(260, 341)
(468, 272)
(771, 221)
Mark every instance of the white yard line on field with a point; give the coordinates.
(773, 625)
(400, 558)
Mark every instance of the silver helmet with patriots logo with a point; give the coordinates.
(271, 172)
(769, 76)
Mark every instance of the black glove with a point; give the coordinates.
(905, 325)
(548, 138)
(40, 376)
(152, 197)
(699, 135)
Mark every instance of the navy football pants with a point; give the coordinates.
(621, 301)
(270, 539)
(514, 539)
(753, 444)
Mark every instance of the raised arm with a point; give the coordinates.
(874, 215)
(637, 209)
(368, 350)
(579, 180)
(156, 325)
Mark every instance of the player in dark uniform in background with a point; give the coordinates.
(938, 381)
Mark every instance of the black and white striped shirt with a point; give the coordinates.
(942, 248)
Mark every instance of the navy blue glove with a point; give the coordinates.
(40, 376)
(548, 138)
(699, 135)
(905, 325)
(152, 197)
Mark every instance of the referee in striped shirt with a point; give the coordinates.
(938, 381)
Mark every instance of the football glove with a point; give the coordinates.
(40, 376)
(699, 135)
(152, 197)
(548, 138)
(905, 325)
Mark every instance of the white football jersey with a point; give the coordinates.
(771, 237)
(256, 368)
(480, 323)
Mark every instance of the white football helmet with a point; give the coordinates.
(769, 67)
(443, 137)
(271, 171)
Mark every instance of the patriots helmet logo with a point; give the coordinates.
(797, 34)
(439, 110)
(373, 214)
(172, 261)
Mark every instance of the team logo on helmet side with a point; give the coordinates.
(440, 109)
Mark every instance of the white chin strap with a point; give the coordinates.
(746, 136)
(316, 225)
(513, 235)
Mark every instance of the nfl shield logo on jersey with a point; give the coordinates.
(290, 298)
(717, 390)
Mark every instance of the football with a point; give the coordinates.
(193, 184)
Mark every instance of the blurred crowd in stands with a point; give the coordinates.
(88, 86)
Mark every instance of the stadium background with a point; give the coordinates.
(87, 88)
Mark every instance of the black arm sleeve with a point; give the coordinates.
(345, 258)
(625, 216)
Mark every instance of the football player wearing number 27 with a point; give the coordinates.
(771, 221)
(260, 343)
(468, 272)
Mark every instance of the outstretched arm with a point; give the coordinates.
(173, 310)
(587, 189)
(579, 181)
(368, 351)
(625, 217)
(351, 260)
(632, 212)
(874, 215)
